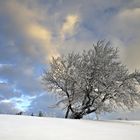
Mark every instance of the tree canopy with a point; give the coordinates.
(92, 81)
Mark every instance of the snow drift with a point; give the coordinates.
(35, 128)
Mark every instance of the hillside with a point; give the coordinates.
(35, 128)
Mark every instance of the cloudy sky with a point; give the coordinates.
(31, 31)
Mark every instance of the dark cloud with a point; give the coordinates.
(8, 108)
(22, 77)
(7, 91)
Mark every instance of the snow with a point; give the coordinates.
(34, 128)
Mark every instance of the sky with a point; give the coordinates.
(32, 31)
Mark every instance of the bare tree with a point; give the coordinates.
(93, 81)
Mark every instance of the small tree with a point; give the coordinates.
(94, 81)
(32, 114)
(19, 113)
(40, 114)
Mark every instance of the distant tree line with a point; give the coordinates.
(40, 114)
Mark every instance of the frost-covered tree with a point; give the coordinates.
(93, 81)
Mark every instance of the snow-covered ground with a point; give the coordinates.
(35, 128)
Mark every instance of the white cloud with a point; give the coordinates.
(22, 103)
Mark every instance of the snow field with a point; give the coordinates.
(35, 128)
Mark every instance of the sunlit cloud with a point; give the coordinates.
(44, 38)
(26, 22)
(69, 25)
(40, 33)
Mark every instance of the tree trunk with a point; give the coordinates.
(67, 113)
(76, 115)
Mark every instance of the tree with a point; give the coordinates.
(93, 81)
(40, 114)
(32, 114)
(19, 113)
